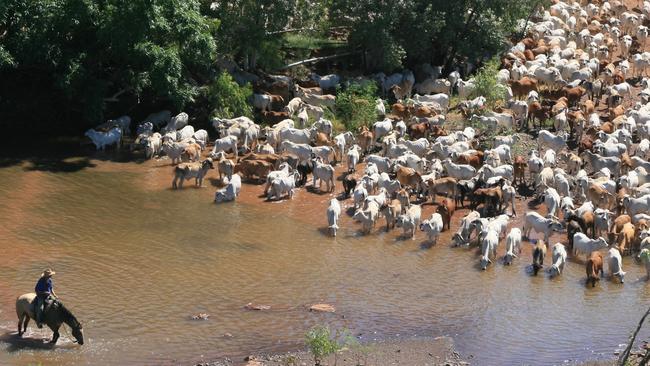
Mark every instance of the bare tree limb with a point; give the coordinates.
(318, 59)
(624, 356)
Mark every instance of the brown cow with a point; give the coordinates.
(437, 131)
(599, 195)
(573, 94)
(589, 223)
(594, 266)
(408, 177)
(492, 199)
(521, 87)
(474, 159)
(520, 167)
(446, 185)
(400, 110)
(364, 139)
(274, 117)
(588, 107)
(322, 139)
(619, 222)
(536, 111)
(446, 209)
(192, 151)
(626, 238)
(418, 130)
(390, 212)
(254, 168)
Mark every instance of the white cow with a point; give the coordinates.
(432, 227)
(559, 259)
(409, 221)
(230, 191)
(535, 221)
(283, 186)
(225, 144)
(489, 248)
(103, 139)
(176, 123)
(333, 213)
(513, 245)
(582, 244)
(615, 263)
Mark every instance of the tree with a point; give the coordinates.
(228, 99)
(79, 56)
(439, 31)
(246, 27)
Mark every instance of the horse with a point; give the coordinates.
(56, 315)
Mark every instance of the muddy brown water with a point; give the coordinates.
(135, 260)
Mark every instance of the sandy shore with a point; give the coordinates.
(412, 352)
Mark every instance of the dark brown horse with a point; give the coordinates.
(56, 315)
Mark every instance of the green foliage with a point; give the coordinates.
(228, 100)
(84, 52)
(486, 83)
(321, 343)
(355, 106)
(434, 31)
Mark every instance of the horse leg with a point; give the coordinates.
(55, 336)
(20, 324)
(25, 322)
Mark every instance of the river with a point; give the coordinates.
(135, 260)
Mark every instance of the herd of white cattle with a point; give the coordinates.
(585, 55)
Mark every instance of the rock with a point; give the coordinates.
(251, 306)
(325, 308)
(200, 316)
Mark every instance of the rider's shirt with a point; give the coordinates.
(44, 286)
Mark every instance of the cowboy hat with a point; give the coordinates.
(48, 272)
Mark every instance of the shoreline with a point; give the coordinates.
(411, 351)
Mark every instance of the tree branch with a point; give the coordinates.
(114, 99)
(626, 353)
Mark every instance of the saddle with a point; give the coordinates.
(50, 302)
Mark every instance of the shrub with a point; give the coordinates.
(355, 106)
(486, 83)
(323, 343)
(227, 99)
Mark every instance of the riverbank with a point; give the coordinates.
(417, 351)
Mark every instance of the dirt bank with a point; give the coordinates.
(421, 351)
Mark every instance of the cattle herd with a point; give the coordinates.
(576, 84)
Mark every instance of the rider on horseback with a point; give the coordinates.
(44, 292)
